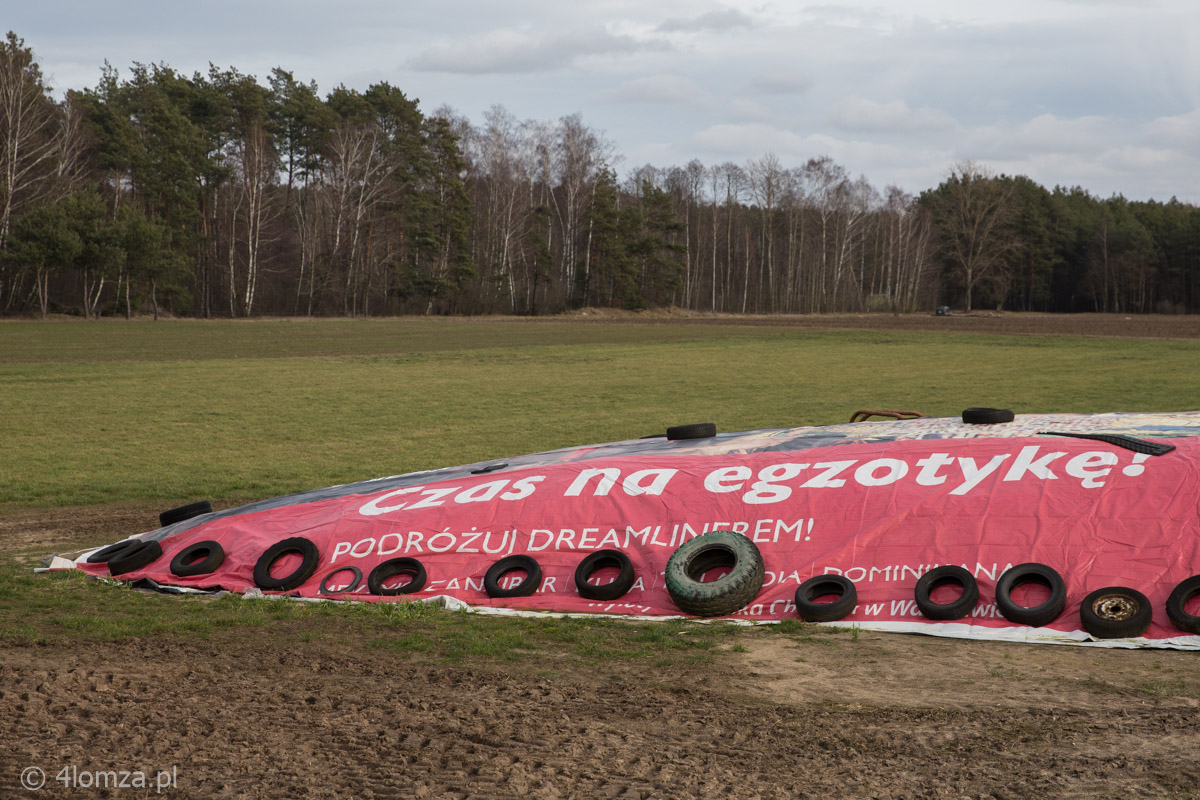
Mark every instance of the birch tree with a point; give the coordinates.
(255, 166)
(28, 124)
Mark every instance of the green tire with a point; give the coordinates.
(726, 595)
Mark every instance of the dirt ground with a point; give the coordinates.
(817, 714)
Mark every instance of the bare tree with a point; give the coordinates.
(732, 181)
(505, 208)
(257, 166)
(29, 122)
(854, 202)
(973, 211)
(580, 155)
(766, 185)
(358, 171)
(826, 185)
(906, 248)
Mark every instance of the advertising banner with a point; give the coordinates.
(880, 504)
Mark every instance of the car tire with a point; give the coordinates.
(1115, 612)
(173, 515)
(726, 595)
(1033, 616)
(599, 560)
(200, 558)
(699, 430)
(533, 577)
(112, 551)
(941, 576)
(390, 569)
(355, 581)
(820, 585)
(1186, 590)
(308, 565)
(135, 558)
(987, 416)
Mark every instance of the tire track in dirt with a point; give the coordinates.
(240, 716)
(260, 713)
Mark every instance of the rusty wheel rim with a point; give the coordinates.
(1114, 607)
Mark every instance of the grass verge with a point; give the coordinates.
(62, 607)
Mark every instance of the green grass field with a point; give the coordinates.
(159, 414)
(119, 412)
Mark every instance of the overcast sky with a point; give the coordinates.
(1099, 93)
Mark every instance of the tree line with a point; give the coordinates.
(218, 195)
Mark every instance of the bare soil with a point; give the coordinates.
(298, 711)
(1132, 326)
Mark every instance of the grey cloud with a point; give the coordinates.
(724, 20)
(742, 110)
(781, 82)
(516, 51)
(1182, 130)
(862, 114)
(662, 89)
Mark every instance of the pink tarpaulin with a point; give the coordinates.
(879, 503)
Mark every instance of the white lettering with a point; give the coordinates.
(717, 481)
(374, 509)
(766, 488)
(399, 544)
(533, 539)
(974, 475)
(1091, 467)
(482, 493)
(586, 543)
(904, 608)
(895, 470)
(564, 537)
(465, 547)
(660, 477)
(370, 543)
(608, 478)
(341, 548)
(826, 479)
(434, 497)
(929, 468)
(1025, 462)
(436, 549)
(522, 488)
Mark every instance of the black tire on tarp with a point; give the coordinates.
(390, 569)
(533, 576)
(308, 565)
(697, 430)
(173, 515)
(987, 416)
(1035, 616)
(135, 558)
(1184, 591)
(1115, 612)
(112, 551)
(725, 595)
(200, 558)
(820, 586)
(599, 560)
(355, 581)
(941, 576)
